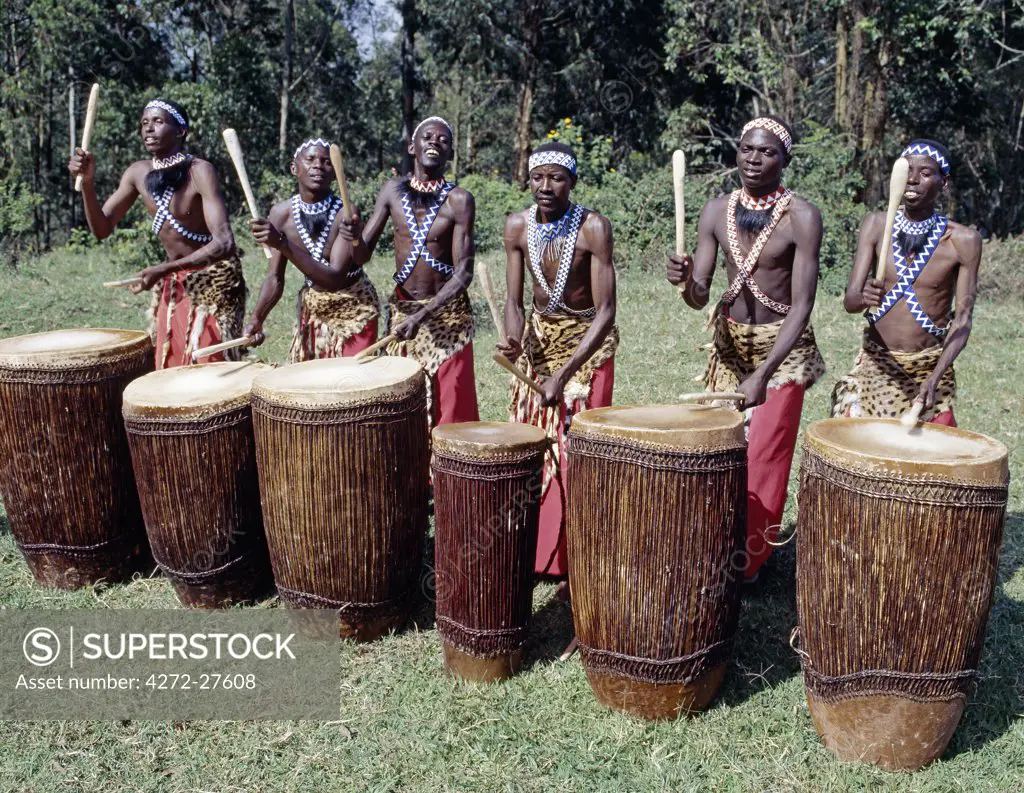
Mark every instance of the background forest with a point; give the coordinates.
(625, 81)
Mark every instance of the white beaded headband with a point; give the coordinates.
(551, 157)
(159, 103)
(928, 151)
(311, 142)
(438, 119)
(772, 126)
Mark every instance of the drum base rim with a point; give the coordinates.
(886, 730)
(481, 670)
(116, 565)
(657, 701)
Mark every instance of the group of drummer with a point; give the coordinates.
(763, 347)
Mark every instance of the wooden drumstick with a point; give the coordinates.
(235, 151)
(365, 355)
(339, 171)
(910, 418)
(492, 304)
(516, 372)
(213, 349)
(90, 121)
(897, 184)
(123, 282)
(711, 396)
(679, 188)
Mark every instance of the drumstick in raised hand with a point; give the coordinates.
(213, 349)
(90, 121)
(235, 152)
(897, 184)
(339, 171)
(679, 189)
(367, 354)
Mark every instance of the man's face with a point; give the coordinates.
(761, 160)
(160, 132)
(432, 147)
(551, 185)
(924, 183)
(313, 168)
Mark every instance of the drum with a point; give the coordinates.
(190, 433)
(66, 477)
(487, 483)
(343, 455)
(656, 520)
(897, 548)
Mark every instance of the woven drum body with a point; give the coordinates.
(897, 548)
(487, 484)
(190, 432)
(656, 509)
(343, 456)
(66, 476)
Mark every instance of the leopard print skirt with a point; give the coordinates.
(216, 292)
(884, 383)
(326, 320)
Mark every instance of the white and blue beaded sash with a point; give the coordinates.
(419, 231)
(566, 229)
(163, 213)
(906, 275)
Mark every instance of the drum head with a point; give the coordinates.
(336, 382)
(192, 390)
(676, 426)
(60, 349)
(887, 445)
(487, 439)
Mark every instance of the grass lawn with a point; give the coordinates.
(404, 725)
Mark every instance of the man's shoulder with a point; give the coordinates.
(804, 210)
(517, 221)
(596, 223)
(281, 210)
(966, 240)
(201, 167)
(459, 198)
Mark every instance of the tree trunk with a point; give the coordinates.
(524, 94)
(72, 137)
(286, 75)
(876, 108)
(408, 80)
(842, 42)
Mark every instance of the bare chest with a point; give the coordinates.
(767, 252)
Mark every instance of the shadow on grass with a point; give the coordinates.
(5, 526)
(424, 615)
(997, 701)
(550, 633)
(762, 657)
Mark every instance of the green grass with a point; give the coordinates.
(404, 725)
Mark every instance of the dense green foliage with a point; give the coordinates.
(624, 81)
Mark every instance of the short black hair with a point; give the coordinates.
(942, 149)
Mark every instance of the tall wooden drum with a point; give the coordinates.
(66, 473)
(656, 519)
(343, 456)
(190, 432)
(487, 483)
(897, 548)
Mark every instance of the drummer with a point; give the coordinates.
(200, 295)
(570, 341)
(430, 312)
(763, 344)
(338, 306)
(912, 339)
